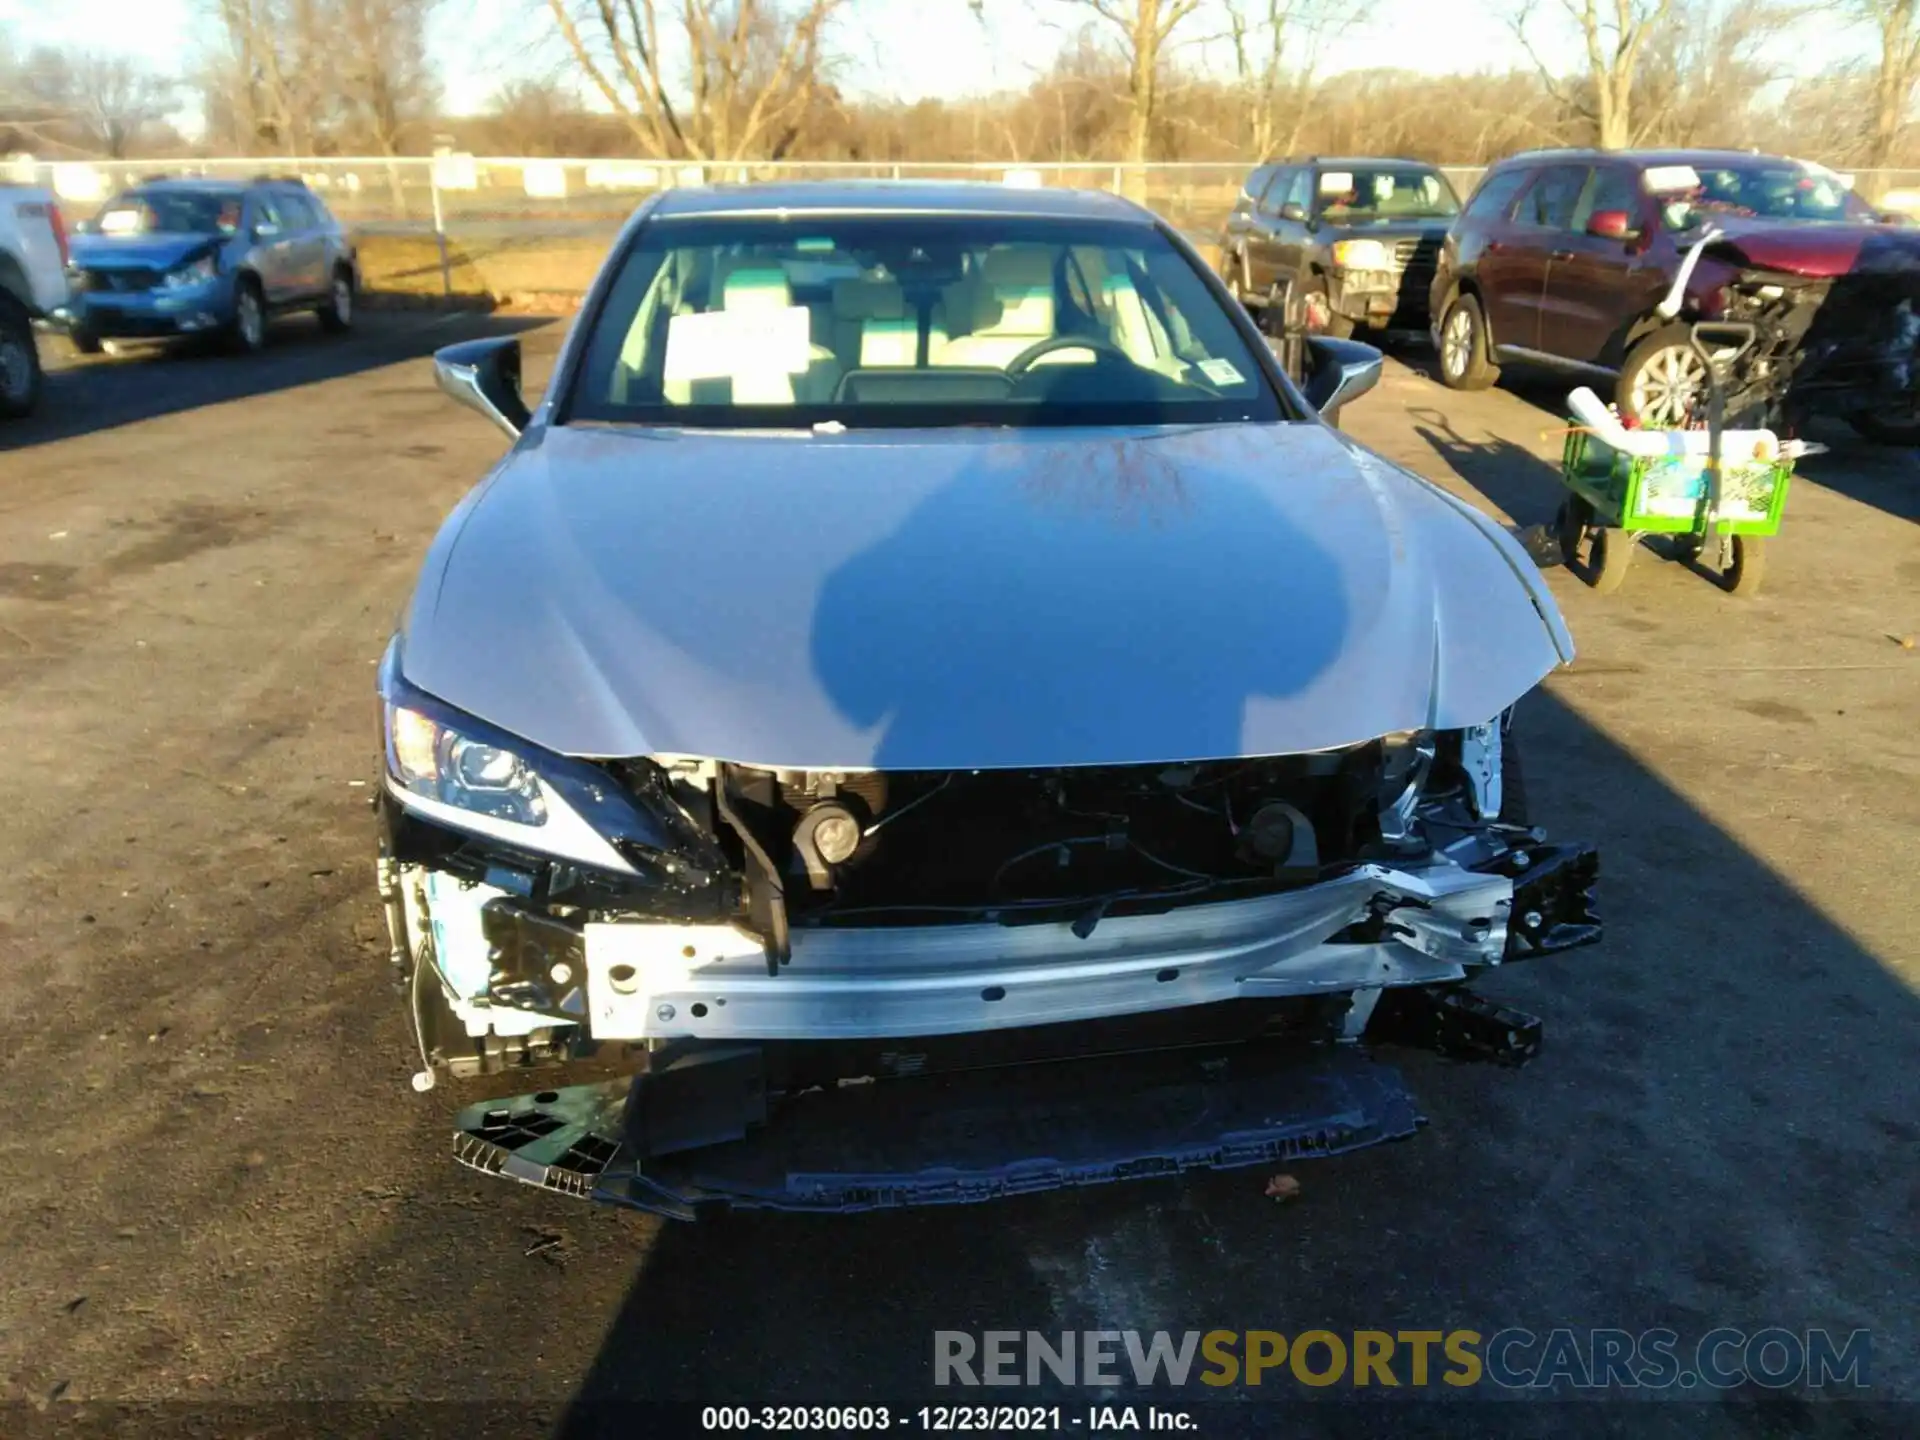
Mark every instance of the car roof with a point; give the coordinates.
(189, 182)
(900, 197)
(1649, 157)
(1353, 160)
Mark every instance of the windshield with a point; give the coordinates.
(1396, 192)
(912, 320)
(1692, 195)
(170, 212)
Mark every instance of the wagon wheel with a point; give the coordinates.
(1747, 567)
(1570, 525)
(1608, 550)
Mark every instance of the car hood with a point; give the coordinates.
(1817, 250)
(1382, 230)
(152, 252)
(969, 599)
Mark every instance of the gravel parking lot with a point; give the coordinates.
(220, 1186)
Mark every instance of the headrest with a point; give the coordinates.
(1018, 266)
(868, 300)
(750, 284)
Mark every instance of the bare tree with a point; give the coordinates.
(384, 76)
(1896, 26)
(1614, 35)
(1704, 72)
(752, 76)
(1276, 47)
(266, 75)
(1143, 31)
(101, 103)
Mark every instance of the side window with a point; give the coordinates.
(265, 212)
(1554, 197)
(1276, 195)
(1300, 192)
(1494, 199)
(1613, 188)
(299, 214)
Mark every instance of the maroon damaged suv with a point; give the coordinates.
(1561, 257)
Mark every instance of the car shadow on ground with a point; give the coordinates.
(102, 392)
(1676, 1085)
(1714, 1135)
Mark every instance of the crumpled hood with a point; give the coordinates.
(1818, 250)
(153, 252)
(970, 599)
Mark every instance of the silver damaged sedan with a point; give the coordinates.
(928, 708)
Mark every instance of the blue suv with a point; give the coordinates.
(174, 258)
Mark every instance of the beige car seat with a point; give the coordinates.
(745, 283)
(1004, 308)
(872, 327)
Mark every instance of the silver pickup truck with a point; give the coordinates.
(33, 284)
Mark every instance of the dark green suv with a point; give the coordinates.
(1354, 241)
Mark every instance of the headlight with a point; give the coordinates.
(460, 772)
(438, 763)
(1362, 255)
(197, 273)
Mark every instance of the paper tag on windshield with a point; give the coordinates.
(1221, 372)
(1335, 182)
(1665, 179)
(775, 340)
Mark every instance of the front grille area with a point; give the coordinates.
(118, 281)
(1417, 254)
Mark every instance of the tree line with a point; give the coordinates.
(1130, 80)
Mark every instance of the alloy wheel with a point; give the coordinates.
(342, 299)
(1456, 345)
(249, 320)
(1669, 387)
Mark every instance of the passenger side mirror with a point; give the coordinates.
(1338, 373)
(265, 230)
(484, 375)
(1293, 211)
(1611, 225)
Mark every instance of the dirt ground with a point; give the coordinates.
(221, 1189)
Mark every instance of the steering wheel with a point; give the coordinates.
(1102, 349)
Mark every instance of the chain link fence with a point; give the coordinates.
(516, 226)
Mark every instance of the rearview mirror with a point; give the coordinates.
(1338, 373)
(1293, 211)
(484, 375)
(1611, 225)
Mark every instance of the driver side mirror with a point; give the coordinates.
(484, 375)
(1338, 373)
(1611, 225)
(265, 230)
(1292, 211)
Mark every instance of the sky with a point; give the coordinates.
(905, 48)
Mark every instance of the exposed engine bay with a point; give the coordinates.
(926, 847)
(804, 931)
(813, 905)
(1846, 346)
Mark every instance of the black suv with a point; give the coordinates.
(1353, 241)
